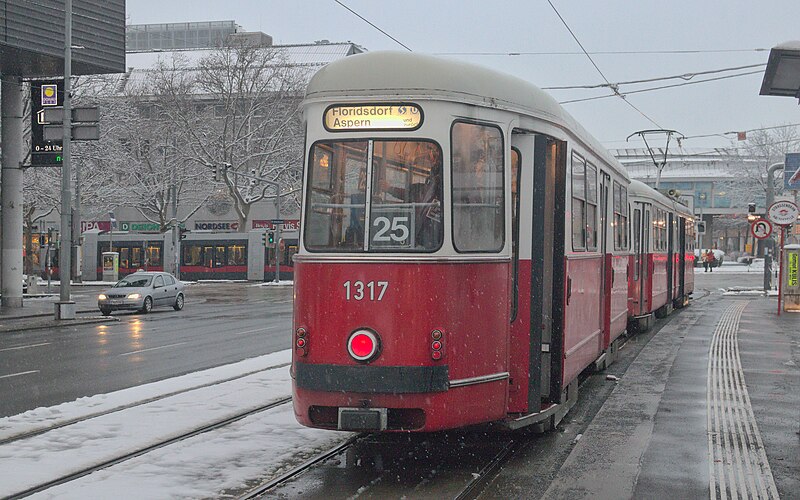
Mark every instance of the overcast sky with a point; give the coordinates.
(727, 34)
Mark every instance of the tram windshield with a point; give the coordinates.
(404, 213)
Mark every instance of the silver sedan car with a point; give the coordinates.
(142, 291)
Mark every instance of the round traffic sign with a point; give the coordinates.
(783, 212)
(761, 228)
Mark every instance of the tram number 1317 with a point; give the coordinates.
(358, 290)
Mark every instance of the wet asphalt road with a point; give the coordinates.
(222, 323)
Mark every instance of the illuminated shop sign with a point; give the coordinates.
(288, 224)
(140, 227)
(373, 117)
(216, 226)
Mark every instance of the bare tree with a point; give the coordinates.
(136, 162)
(238, 105)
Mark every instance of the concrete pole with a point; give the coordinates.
(12, 190)
(76, 225)
(65, 308)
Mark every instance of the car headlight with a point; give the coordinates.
(134, 296)
(102, 296)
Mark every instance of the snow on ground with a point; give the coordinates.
(272, 283)
(736, 268)
(261, 445)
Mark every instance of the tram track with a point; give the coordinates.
(266, 486)
(452, 481)
(72, 421)
(149, 448)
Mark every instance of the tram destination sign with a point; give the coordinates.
(341, 117)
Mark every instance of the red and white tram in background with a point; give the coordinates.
(465, 249)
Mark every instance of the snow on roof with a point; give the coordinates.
(317, 54)
(688, 164)
(301, 56)
(687, 171)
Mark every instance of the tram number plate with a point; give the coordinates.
(371, 290)
(359, 419)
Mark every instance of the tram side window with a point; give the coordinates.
(620, 217)
(237, 255)
(192, 255)
(578, 203)
(591, 207)
(337, 196)
(637, 241)
(656, 229)
(478, 189)
(515, 181)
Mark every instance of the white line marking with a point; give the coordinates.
(258, 330)
(18, 374)
(152, 349)
(24, 346)
(738, 465)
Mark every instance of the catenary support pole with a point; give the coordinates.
(12, 190)
(278, 227)
(780, 271)
(65, 308)
(770, 242)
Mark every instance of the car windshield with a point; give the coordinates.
(133, 282)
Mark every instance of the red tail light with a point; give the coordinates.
(363, 345)
(301, 342)
(437, 346)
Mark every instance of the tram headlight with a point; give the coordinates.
(363, 345)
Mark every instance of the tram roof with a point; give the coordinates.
(404, 74)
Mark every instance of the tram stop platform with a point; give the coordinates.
(705, 406)
(709, 408)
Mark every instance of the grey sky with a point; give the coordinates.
(448, 27)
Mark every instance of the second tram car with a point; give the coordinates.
(464, 252)
(662, 261)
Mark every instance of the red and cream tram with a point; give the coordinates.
(464, 250)
(662, 262)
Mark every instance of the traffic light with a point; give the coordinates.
(271, 238)
(264, 239)
(217, 177)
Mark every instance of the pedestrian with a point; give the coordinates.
(710, 259)
(704, 260)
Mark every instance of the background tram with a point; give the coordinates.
(464, 253)
(204, 255)
(663, 255)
